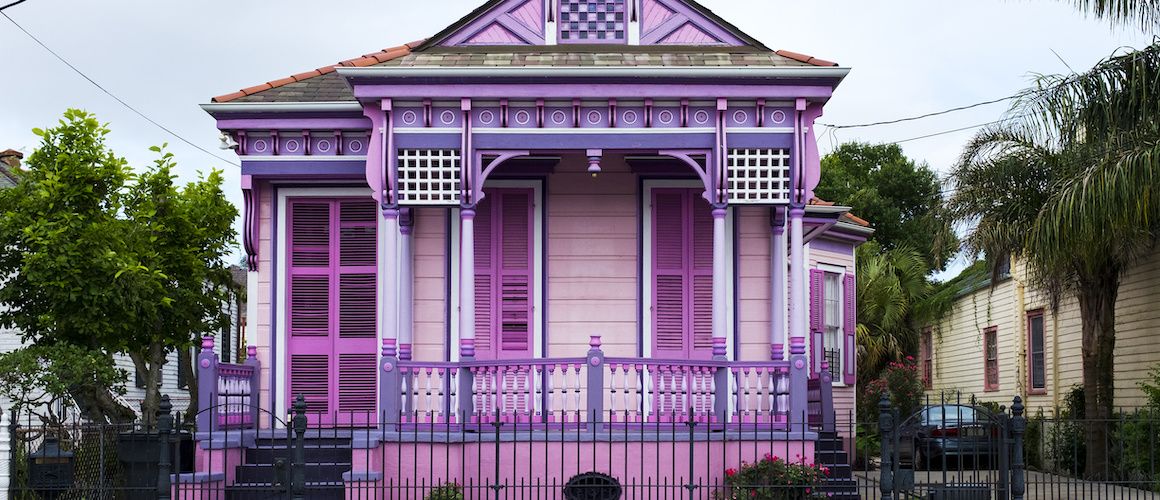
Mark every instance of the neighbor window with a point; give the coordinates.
(991, 359)
(926, 354)
(833, 318)
(1036, 369)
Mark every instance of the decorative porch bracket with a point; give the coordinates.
(250, 223)
(688, 156)
(480, 172)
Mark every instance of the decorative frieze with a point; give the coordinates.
(304, 143)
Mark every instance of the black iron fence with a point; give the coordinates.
(944, 449)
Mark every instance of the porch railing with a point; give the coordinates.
(230, 398)
(579, 390)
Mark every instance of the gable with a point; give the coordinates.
(592, 22)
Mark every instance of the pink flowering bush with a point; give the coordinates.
(773, 478)
(902, 380)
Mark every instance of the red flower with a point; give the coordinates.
(910, 358)
(730, 472)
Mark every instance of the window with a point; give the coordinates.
(991, 359)
(1036, 369)
(833, 323)
(926, 355)
(593, 21)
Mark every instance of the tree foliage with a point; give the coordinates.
(109, 261)
(1142, 13)
(902, 198)
(1068, 183)
(39, 378)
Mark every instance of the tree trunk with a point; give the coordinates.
(98, 405)
(150, 362)
(189, 374)
(1097, 305)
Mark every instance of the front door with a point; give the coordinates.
(331, 315)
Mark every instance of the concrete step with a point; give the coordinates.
(268, 473)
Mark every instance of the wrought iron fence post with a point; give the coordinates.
(298, 464)
(692, 423)
(1018, 425)
(886, 430)
(164, 429)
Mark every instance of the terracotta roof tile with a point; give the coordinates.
(849, 217)
(808, 59)
(367, 60)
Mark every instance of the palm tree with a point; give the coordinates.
(1143, 13)
(1069, 182)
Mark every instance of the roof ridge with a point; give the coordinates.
(381, 56)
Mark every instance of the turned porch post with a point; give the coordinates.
(797, 321)
(466, 308)
(720, 321)
(389, 265)
(777, 285)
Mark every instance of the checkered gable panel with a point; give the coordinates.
(758, 176)
(429, 176)
(592, 21)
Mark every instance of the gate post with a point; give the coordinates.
(298, 463)
(164, 428)
(886, 429)
(1018, 425)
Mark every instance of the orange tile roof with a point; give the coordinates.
(808, 59)
(815, 201)
(366, 60)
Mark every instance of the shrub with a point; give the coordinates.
(1066, 446)
(446, 491)
(773, 478)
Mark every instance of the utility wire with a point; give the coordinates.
(13, 4)
(946, 132)
(106, 91)
(928, 115)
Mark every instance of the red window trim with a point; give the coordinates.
(1031, 389)
(987, 333)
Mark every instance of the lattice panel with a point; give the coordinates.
(429, 176)
(592, 21)
(758, 176)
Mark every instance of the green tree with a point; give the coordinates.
(1069, 184)
(903, 199)
(1142, 13)
(113, 263)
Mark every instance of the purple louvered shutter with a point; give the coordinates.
(850, 330)
(514, 310)
(817, 319)
(701, 257)
(332, 307)
(669, 273)
(503, 274)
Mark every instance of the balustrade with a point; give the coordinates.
(230, 398)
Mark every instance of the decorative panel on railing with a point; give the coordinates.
(650, 390)
(235, 395)
(429, 176)
(429, 392)
(758, 176)
(541, 390)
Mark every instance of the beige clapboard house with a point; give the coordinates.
(1005, 340)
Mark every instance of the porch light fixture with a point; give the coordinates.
(594, 156)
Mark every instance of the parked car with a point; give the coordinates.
(939, 432)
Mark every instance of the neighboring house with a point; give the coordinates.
(1004, 339)
(624, 186)
(135, 388)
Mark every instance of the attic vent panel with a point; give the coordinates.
(758, 176)
(593, 21)
(429, 176)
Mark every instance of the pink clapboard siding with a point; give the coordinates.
(753, 291)
(258, 333)
(592, 259)
(430, 281)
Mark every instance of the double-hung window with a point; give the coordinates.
(1036, 368)
(833, 323)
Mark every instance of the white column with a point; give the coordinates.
(798, 309)
(467, 283)
(389, 266)
(778, 309)
(720, 290)
(406, 289)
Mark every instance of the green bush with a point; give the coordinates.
(1033, 441)
(773, 478)
(1066, 445)
(446, 491)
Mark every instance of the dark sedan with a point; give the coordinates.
(939, 432)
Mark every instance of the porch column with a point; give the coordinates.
(797, 322)
(777, 286)
(389, 265)
(467, 283)
(720, 320)
(406, 284)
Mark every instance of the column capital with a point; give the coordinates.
(720, 211)
(467, 212)
(391, 212)
(797, 212)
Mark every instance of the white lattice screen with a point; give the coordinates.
(758, 176)
(429, 176)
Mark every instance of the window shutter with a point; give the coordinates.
(484, 272)
(850, 327)
(311, 379)
(817, 305)
(669, 315)
(515, 277)
(356, 357)
(701, 240)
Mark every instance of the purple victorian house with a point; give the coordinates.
(591, 219)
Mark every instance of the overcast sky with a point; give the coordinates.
(909, 57)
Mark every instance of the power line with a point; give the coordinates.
(919, 117)
(946, 132)
(106, 91)
(13, 4)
